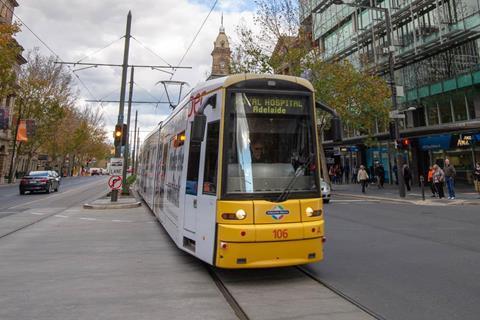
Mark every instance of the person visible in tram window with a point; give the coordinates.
(258, 152)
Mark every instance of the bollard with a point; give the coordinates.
(422, 185)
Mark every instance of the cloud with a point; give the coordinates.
(75, 29)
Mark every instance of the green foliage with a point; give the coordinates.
(10, 52)
(131, 179)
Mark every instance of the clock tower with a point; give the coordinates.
(221, 55)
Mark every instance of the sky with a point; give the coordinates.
(162, 30)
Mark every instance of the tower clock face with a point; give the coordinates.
(222, 64)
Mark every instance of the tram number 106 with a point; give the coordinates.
(280, 233)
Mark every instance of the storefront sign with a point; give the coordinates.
(465, 140)
(435, 142)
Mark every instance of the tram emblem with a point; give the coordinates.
(277, 212)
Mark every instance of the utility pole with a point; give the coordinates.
(134, 143)
(126, 152)
(118, 147)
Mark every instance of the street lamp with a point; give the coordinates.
(391, 63)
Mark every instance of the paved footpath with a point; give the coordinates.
(464, 196)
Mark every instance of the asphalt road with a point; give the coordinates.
(11, 198)
(404, 261)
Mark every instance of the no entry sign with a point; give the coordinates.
(115, 182)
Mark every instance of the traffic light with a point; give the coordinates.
(402, 144)
(117, 135)
(124, 135)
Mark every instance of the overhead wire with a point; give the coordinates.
(52, 51)
(99, 50)
(150, 50)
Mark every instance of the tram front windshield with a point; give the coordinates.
(270, 145)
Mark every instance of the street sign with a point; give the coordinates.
(115, 182)
(116, 166)
(396, 115)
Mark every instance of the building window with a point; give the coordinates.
(445, 109)
(459, 106)
(473, 101)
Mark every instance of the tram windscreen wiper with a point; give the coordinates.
(284, 195)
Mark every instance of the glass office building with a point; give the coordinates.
(436, 47)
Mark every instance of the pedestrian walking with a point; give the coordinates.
(362, 177)
(438, 179)
(476, 177)
(331, 173)
(450, 173)
(407, 176)
(431, 171)
(395, 173)
(380, 174)
(346, 172)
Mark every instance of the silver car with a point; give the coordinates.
(325, 191)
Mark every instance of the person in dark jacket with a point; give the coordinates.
(450, 178)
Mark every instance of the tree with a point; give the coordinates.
(360, 98)
(44, 92)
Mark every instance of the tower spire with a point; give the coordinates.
(222, 29)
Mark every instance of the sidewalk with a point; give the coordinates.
(463, 195)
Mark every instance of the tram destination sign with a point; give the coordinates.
(264, 104)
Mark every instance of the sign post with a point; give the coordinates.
(116, 166)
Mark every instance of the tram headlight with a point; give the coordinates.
(313, 213)
(241, 214)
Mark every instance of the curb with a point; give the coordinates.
(416, 202)
(112, 206)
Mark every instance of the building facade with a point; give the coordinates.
(6, 103)
(436, 45)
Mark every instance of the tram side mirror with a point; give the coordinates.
(198, 127)
(336, 125)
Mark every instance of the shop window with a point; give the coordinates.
(211, 158)
(445, 110)
(459, 106)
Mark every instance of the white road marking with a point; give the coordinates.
(37, 213)
(89, 219)
(60, 216)
(121, 220)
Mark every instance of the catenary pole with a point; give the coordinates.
(126, 152)
(118, 147)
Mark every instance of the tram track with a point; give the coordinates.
(232, 302)
(340, 293)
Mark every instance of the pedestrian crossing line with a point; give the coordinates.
(37, 213)
(89, 219)
(121, 220)
(60, 216)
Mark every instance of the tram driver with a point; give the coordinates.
(258, 152)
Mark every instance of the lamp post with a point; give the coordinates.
(391, 64)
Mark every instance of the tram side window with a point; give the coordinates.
(193, 168)
(211, 158)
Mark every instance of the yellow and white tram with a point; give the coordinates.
(233, 174)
